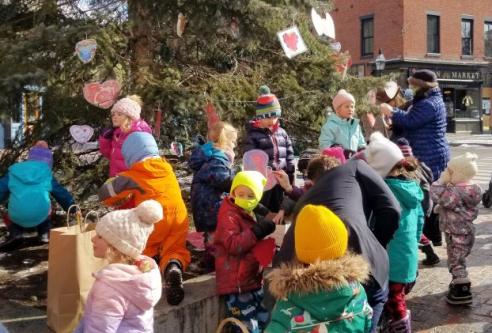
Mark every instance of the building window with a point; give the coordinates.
(488, 38)
(433, 34)
(466, 36)
(367, 36)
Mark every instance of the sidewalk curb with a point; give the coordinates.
(470, 142)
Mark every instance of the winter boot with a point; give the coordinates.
(459, 293)
(401, 326)
(173, 276)
(431, 257)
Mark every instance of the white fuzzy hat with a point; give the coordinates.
(342, 97)
(127, 230)
(464, 167)
(382, 154)
(129, 106)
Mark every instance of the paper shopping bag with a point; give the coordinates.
(70, 266)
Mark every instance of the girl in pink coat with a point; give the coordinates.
(125, 116)
(125, 291)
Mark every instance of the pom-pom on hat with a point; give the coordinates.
(319, 235)
(127, 230)
(253, 180)
(424, 79)
(463, 167)
(342, 97)
(404, 147)
(267, 105)
(40, 152)
(382, 154)
(130, 106)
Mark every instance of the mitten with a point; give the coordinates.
(263, 228)
(107, 133)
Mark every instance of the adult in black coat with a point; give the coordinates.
(363, 201)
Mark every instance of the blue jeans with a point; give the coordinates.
(376, 297)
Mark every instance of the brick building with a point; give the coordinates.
(451, 37)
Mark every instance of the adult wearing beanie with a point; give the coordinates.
(360, 198)
(151, 177)
(425, 121)
(324, 284)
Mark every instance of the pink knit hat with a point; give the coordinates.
(342, 97)
(335, 152)
(129, 107)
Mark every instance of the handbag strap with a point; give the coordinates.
(234, 321)
(91, 212)
(77, 216)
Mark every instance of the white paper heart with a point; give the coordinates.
(323, 26)
(81, 133)
(86, 50)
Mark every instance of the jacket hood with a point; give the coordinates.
(153, 167)
(140, 126)
(296, 278)
(142, 289)
(407, 192)
(30, 172)
(339, 121)
(203, 154)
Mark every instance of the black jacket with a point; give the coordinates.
(357, 194)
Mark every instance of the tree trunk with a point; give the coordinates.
(140, 42)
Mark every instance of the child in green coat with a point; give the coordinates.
(322, 292)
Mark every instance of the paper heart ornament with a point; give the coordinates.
(102, 95)
(323, 26)
(264, 251)
(81, 134)
(197, 240)
(177, 148)
(257, 160)
(86, 50)
(292, 42)
(271, 179)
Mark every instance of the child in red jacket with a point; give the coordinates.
(239, 230)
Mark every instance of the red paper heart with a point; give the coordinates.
(291, 39)
(264, 251)
(102, 95)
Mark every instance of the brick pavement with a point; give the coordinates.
(430, 312)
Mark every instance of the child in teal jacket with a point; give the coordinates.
(399, 173)
(341, 128)
(322, 292)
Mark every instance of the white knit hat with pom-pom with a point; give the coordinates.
(130, 106)
(382, 154)
(127, 230)
(464, 168)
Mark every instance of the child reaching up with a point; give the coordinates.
(125, 116)
(399, 173)
(265, 133)
(212, 177)
(456, 199)
(341, 128)
(321, 291)
(151, 177)
(124, 292)
(239, 230)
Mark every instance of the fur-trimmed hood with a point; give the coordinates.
(320, 276)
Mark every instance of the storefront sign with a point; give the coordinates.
(458, 75)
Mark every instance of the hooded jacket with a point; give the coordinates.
(425, 129)
(122, 300)
(111, 148)
(276, 144)
(211, 179)
(326, 296)
(457, 206)
(237, 270)
(31, 182)
(340, 131)
(362, 200)
(403, 248)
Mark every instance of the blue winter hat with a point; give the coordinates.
(138, 146)
(40, 154)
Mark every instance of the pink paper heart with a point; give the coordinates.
(102, 95)
(81, 133)
(271, 179)
(256, 160)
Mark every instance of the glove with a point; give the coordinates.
(107, 133)
(263, 228)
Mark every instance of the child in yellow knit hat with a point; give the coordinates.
(322, 292)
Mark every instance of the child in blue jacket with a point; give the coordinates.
(27, 186)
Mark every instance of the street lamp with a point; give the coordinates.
(380, 62)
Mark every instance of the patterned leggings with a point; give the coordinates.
(458, 248)
(247, 308)
(396, 307)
